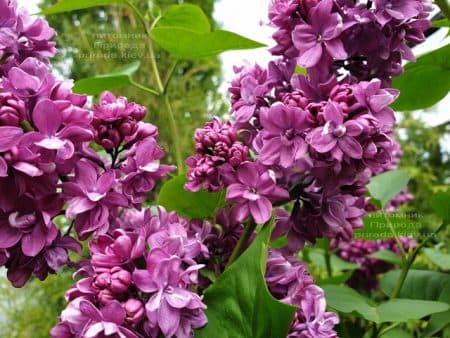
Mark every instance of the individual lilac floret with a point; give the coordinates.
(143, 169)
(90, 196)
(319, 36)
(337, 136)
(53, 135)
(253, 193)
(283, 139)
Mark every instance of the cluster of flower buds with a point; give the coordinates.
(139, 281)
(46, 166)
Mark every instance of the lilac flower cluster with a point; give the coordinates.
(313, 140)
(289, 281)
(358, 251)
(138, 282)
(368, 39)
(46, 166)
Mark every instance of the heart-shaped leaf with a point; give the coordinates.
(386, 186)
(184, 32)
(118, 78)
(192, 205)
(63, 6)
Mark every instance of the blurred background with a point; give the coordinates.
(99, 40)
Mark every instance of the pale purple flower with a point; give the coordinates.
(28, 80)
(172, 308)
(143, 169)
(254, 192)
(376, 99)
(53, 135)
(396, 9)
(283, 139)
(90, 196)
(337, 136)
(320, 35)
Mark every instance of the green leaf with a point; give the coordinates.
(300, 70)
(118, 78)
(438, 321)
(387, 256)
(419, 284)
(402, 310)
(441, 23)
(70, 5)
(439, 258)
(192, 205)
(186, 16)
(425, 82)
(347, 300)
(239, 304)
(317, 257)
(384, 187)
(336, 279)
(184, 32)
(186, 44)
(440, 204)
(396, 333)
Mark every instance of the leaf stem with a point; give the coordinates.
(242, 243)
(144, 88)
(327, 257)
(389, 328)
(396, 238)
(175, 133)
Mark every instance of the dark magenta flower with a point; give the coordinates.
(320, 35)
(337, 136)
(283, 140)
(254, 192)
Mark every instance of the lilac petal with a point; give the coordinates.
(353, 128)
(143, 280)
(8, 236)
(78, 205)
(179, 298)
(46, 117)
(76, 134)
(90, 311)
(27, 169)
(333, 113)
(86, 175)
(247, 174)
(114, 312)
(235, 191)
(9, 137)
(3, 168)
(94, 330)
(51, 143)
(168, 319)
(351, 147)
(245, 113)
(34, 242)
(23, 80)
(310, 57)
(322, 143)
(261, 210)
(336, 49)
(240, 212)
(105, 182)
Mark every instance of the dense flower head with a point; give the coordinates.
(367, 39)
(138, 282)
(218, 151)
(47, 168)
(289, 281)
